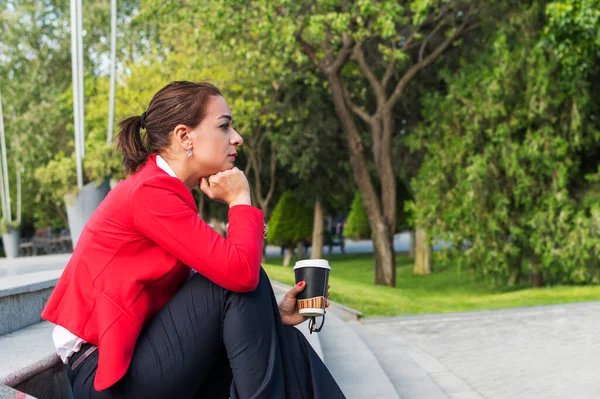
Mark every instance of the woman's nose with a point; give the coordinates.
(237, 139)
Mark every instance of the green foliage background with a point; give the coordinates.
(511, 171)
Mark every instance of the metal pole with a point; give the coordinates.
(113, 68)
(74, 72)
(2, 190)
(80, 64)
(19, 198)
(5, 171)
(2, 196)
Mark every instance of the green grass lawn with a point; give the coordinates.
(445, 290)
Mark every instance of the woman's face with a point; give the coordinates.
(214, 140)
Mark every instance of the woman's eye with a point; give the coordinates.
(225, 126)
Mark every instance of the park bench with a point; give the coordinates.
(328, 241)
(334, 241)
(45, 242)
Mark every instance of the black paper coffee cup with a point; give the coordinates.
(315, 272)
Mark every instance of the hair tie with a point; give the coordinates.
(143, 120)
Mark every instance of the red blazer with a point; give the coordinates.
(131, 258)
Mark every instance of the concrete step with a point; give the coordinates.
(352, 363)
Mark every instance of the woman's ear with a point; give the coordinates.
(181, 135)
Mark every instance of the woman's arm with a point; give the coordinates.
(162, 214)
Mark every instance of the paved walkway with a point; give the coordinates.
(529, 353)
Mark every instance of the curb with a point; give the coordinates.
(555, 308)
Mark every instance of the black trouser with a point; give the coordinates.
(208, 342)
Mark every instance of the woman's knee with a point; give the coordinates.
(261, 295)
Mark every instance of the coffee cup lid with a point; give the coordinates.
(312, 263)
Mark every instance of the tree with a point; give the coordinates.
(357, 226)
(290, 223)
(311, 147)
(385, 44)
(509, 173)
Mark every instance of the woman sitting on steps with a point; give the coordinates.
(154, 303)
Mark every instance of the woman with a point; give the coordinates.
(131, 322)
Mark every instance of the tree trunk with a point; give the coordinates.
(287, 256)
(594, 267)
(515, 271)
(254, 148)
(61, 213)
(383, 246)
(423, 252)
(201, 205)
(385, 262)
(536, 278)
(317, 236)
(413, 244)
(300, 249)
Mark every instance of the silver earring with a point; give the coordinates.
(188, 153)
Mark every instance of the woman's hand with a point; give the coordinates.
(229, 186)
(288, 307)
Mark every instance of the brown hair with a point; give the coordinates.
(177, 103)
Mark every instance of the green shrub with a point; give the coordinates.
(290, 222)
(357, 226)
(6, 226)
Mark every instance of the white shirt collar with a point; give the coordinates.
(161, 163)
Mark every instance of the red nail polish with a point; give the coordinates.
(301, 284)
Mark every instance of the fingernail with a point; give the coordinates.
(301, 284)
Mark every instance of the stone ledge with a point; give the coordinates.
(21, 310)
(30, 282)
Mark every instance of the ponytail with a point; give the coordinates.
(131, 144)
